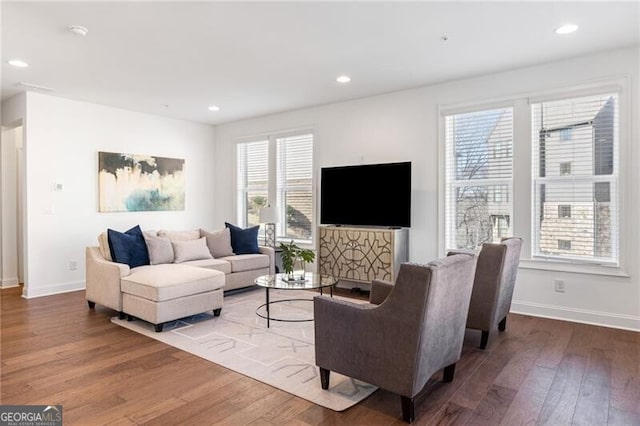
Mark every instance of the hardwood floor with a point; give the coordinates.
(54, 350)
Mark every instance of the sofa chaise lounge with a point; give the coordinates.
(167, 291)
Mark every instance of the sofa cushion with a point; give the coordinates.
(247, 262)
(103, 245)
(215, 264)
(180, 235)
(170, 281)
(191, 250)
(128, 247)
(160, 249)
(219, 242)
(244, 241)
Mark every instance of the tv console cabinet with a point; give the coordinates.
(361, 254)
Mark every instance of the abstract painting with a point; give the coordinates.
(130, 183)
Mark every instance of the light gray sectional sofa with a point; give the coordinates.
(184, 278)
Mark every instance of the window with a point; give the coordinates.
(501, 149)
(564, 211)
(565, 134)
(564, 245)
(575, 175)
(277, 171)
(501, 194)
(253, 180)
(478, 177)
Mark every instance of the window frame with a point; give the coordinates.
(272, 191)
(523, 207)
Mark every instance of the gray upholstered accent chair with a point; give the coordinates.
(493, 287)
(410, 330)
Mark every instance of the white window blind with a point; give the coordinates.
(252, 180)
(581, 132)
(290, 188)
(478, 180)
(295, 178)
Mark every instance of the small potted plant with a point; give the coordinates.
(293, 256)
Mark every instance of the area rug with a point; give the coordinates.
(282, 356)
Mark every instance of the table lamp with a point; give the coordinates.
(269, 216)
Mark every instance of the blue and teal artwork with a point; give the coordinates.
(130, 183)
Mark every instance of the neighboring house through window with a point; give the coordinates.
(575, 175)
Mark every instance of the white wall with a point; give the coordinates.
(404, 126)
(62, 144)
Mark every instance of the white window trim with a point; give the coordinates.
(272, 136)
(522, 181)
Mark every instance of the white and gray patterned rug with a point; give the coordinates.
(282, 356)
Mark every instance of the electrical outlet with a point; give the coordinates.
(559, 284)
(73, 265)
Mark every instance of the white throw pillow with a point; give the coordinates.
(191, 250)
(160, 249)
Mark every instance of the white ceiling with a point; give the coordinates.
(259, 58)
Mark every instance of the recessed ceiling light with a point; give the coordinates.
(214, 108)
(78, 30)
(18, 63)
(567, 29)
(343, 79)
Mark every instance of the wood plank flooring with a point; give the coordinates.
(54, 350)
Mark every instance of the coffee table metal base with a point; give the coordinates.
(268, 303)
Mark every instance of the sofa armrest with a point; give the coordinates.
(103, 279)
(269, 251)
(379, 291)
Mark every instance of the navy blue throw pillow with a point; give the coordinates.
(128, 247)
(244, 241)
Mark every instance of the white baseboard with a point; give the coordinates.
(30, 293)
(9, 282)
(604, 319)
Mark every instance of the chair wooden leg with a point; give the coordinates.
(449, 371)
(408, 409)
(91, 304)
(484, 339)
(502, 325)
(324, 378)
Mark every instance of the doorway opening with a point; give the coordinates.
(12, 264)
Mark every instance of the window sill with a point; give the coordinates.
(574, 268)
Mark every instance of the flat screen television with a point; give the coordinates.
(366, 195)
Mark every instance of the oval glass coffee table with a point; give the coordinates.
(312, 281)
